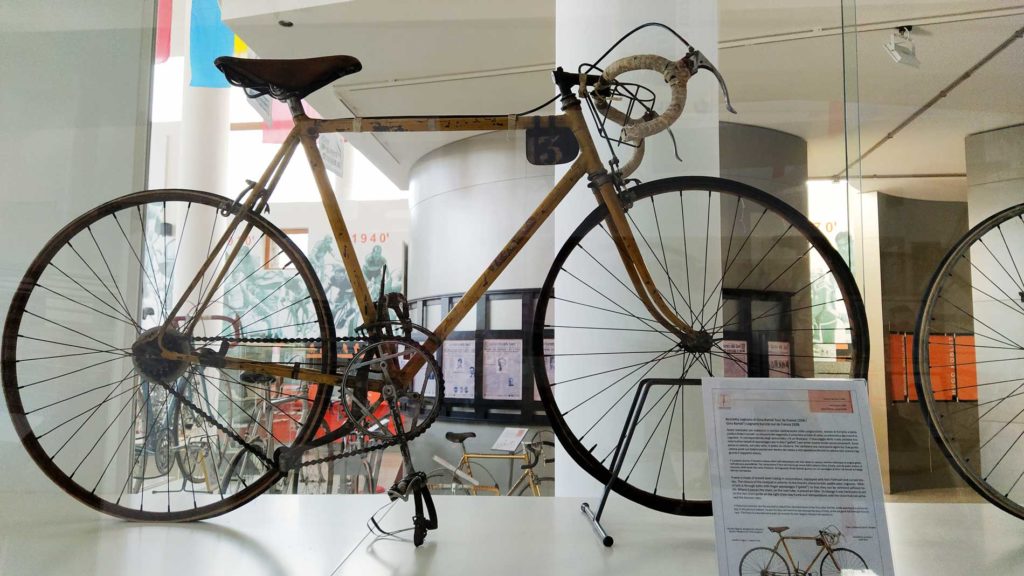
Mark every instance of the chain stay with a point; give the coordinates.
(267, 461)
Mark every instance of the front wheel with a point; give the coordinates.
(80, 344)
(840, 559)
(765, 291)
(763, 562)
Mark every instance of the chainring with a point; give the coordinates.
(395, 410)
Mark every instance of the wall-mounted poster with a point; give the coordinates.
(735, 364)
(778, 360)
(503, 369)
(459, 368)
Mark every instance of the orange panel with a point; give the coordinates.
(942, 359)
(896, 367)
(909, 355)
(966, 371)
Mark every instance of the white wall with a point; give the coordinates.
(73, 134)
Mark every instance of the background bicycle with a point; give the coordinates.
(531, 468)
(969, 357)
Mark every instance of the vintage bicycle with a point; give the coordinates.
(969, 358)
(764, 561)
(465, 477)
(655, 282)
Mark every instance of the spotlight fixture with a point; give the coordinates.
(901, 48)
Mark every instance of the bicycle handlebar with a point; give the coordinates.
(534, 453)
(676, 74)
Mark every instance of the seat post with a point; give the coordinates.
(295, 107)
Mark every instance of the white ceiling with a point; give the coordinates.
(783, 63)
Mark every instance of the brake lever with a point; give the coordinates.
(695, 61)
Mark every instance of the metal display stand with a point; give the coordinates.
(619, 456)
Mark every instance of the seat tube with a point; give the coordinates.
(308, 136)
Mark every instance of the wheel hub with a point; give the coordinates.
(699, 342)
(148, 361)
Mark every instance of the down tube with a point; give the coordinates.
(501, 261)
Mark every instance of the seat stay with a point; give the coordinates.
(270, 175)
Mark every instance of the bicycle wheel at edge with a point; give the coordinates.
(763, 562)
(770, 260)
(840, 559)
(968, 370)
(69, 374)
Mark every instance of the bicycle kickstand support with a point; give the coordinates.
(622, 447)
(415, 483)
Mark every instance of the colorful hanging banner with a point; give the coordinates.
(162, 50)
(209, 38)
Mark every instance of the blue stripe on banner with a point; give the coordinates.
(209, 39)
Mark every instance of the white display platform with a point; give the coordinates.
(479, 536)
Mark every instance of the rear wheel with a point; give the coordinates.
(78, 346)
(763, 562)
(766, 292)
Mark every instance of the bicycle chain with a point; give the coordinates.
(231, 433)
(259, 453)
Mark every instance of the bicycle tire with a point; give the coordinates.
(763, 561)
(776, 264)
(316, 478)
(138, 239)
(524, 490)
(971, 327)
(244, 468)
(180, 422)
(840, 559)
(190, 466)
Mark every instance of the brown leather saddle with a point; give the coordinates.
(286, 79)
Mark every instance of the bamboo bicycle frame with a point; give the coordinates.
(307, 130)
(823, 547)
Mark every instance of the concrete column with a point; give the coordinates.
(467, 200)
(773, 161)
(202, 161)
(995, 180)
(583, 31)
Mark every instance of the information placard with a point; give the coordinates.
(795, 482)
(509, 440)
